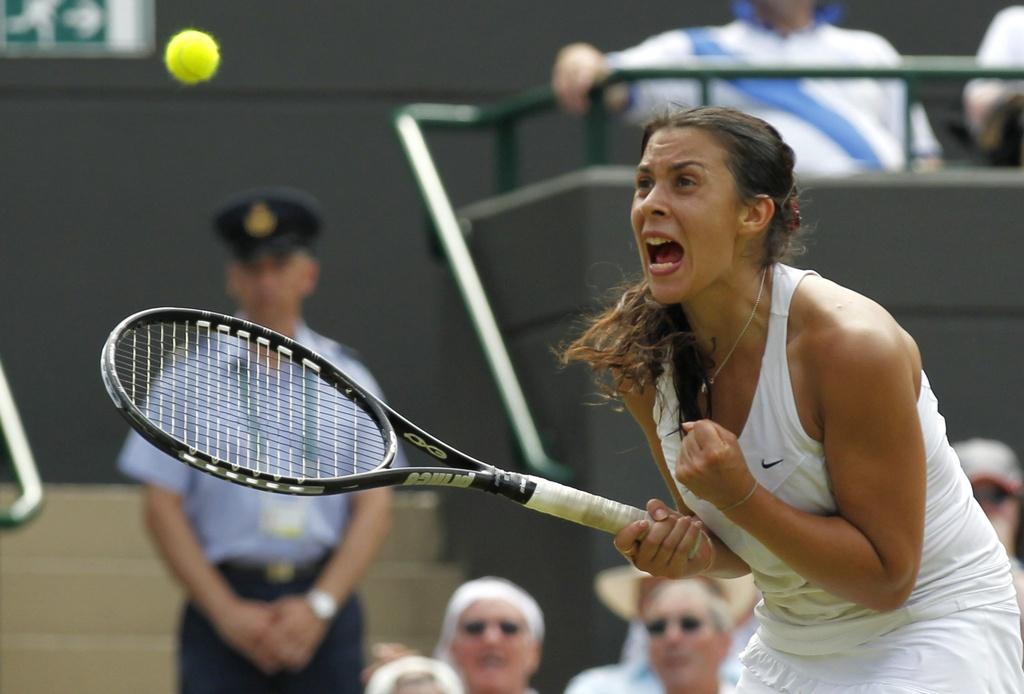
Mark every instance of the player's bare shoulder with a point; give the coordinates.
(836, 332)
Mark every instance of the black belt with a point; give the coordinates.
(272, 572)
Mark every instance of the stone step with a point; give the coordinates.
(92, 521)
(87, 606)
(86, 521)
(54, 664)
(68, 625)
(56, 595)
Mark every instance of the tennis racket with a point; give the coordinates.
(251, 406)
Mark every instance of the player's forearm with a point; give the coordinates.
(368, 527)
(180, 548)
(827, 551)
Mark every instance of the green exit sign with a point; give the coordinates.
(76, 27)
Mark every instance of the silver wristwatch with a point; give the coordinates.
(322, 603)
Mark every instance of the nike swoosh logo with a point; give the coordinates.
(765, 464)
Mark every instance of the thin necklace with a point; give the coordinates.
(757, 302)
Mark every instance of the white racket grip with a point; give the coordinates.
(581, 507)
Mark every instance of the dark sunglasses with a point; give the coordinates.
(991, 495)
(687, 624)
(479, 627)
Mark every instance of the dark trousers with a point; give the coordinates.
(206, 665)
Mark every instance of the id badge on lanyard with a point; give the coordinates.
(283, 517)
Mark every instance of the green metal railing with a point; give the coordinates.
(26, 477)
(472, 290)
(504, 119)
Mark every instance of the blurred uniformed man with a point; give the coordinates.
(270, 579)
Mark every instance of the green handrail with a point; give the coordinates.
(473, 294)
(504, 118)
(26, 475)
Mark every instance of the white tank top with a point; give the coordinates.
(963, 564)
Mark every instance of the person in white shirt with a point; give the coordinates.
(836, 126)
(688, 628)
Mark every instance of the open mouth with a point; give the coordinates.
(663, 255)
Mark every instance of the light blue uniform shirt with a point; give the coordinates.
(635, 678)
(236, 523)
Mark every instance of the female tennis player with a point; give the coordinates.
(805, 442)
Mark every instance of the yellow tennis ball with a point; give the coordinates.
(192, 56)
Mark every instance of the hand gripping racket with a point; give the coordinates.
(251, 406)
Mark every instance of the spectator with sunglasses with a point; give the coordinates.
(492, 635)
(689, 630)
(996, 479)
(625, 591)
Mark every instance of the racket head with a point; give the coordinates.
(245, 403)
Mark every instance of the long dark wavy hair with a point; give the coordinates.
(632, 340)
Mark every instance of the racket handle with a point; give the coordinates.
(581, 507)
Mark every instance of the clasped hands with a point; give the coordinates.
(279, 635)
(670, 544)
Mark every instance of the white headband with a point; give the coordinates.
(487, 588)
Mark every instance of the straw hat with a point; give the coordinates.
(619, 589)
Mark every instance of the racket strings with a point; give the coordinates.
(247, 402)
